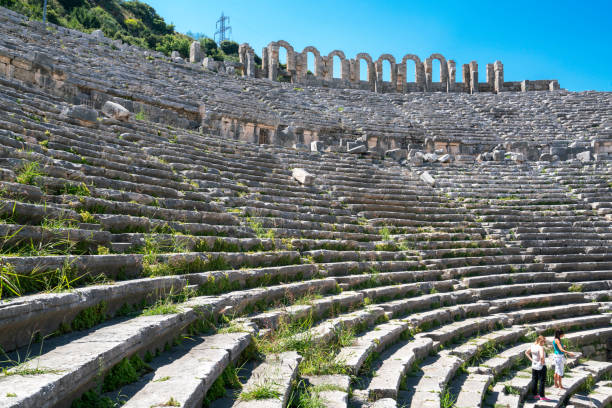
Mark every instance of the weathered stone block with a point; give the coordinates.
(82, 113)
(427, 178)
(303, 177)
(584, 156)
(115, 111)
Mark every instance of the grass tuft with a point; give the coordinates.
(27, 173)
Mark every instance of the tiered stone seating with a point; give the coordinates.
(177, 256)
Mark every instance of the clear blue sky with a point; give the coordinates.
(538, 39)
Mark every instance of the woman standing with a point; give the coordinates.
(560, 353)
(537, 355)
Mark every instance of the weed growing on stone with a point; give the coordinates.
(228, 379)
(258, 229)
(588, 385)
(9, 281)
(80, 189)
(90, 317)
(385, 233)
(162, 307)
(141, 115)
(125, 372)
(576, 288)
(447, 400)
(93, 399)
(262, 391)
(28, 172)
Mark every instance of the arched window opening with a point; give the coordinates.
(410, 71)
(386, 70)
(310, 64)
(435, 71)
(282, 58)
(363, 70)
(337, 64)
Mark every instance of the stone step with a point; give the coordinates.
(244, 278)
(386, 382)
(275, 374)
(187, 379)
(473, 391)
(325, 331)
(537, 314)
(537, 300)
(332, 390)
(351, 268)
(436, 375)
(496, 292)
(465, 328)
(599, 397)
(316, 308)
(390, 278)
(406, 290)
(326, 256)
(374, 341)
(21, 319)
(434, 301)
(513, 278)
(94, 353)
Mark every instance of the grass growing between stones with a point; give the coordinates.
(125, 372)
(28, 172)
(447, 400)
(23, 365)
(305, 396)
(227, 379)
(64, 278)
(257, 228)
(162, 307)
(318, 358)
(260, 392)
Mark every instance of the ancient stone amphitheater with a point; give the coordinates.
(228, 240)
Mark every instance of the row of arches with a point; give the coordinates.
(385, 74)
(335, 65)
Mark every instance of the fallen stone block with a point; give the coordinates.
(584, 156)
(356, 147)
(303, 177)
(82, 114)
(317, 146)
(445, 158)
(301, 147)
(427, 178)
(115, 111)
(396, 154)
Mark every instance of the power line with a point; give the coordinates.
(223, 27)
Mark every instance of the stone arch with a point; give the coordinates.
(443, 69)
(302, 67)
(290, 54)
(402, 73)
(273, 62)
(344, 66)
(371, 74)
(392, 63)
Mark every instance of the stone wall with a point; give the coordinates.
(296, 71)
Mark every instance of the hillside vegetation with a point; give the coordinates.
(133, 22)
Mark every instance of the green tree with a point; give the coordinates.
(209, 46)
(229, 47)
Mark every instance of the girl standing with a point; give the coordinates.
(560, 353)
(537, 355)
